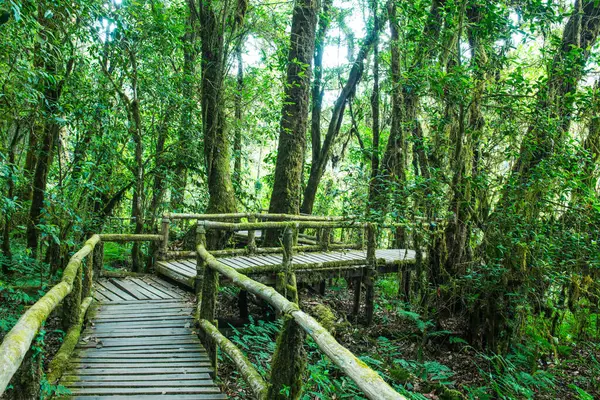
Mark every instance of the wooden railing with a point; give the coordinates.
(75, 292)
(321, 242)
(284, 298)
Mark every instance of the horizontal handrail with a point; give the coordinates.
(369, 381)
(264, 216)
(245, 226)
(17, 342)
(249, 373)
(136, 237)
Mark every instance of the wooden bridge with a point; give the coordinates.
(150, 337)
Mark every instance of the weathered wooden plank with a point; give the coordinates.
(146, 390)
(165, 286)
(160, 295)
(215, 396)
(156, 382)
(69, 378)
(107, 293)
(137, 366)
(142, 371)
(118, 291)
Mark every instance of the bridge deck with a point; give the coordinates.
(184, 270)
(141, 345)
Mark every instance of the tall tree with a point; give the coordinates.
(323, 150)
(285, 197)
(218, 23)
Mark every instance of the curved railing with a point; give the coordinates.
(75, 292)
(207, 281)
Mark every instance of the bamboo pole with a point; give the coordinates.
(18, 341)
(243, 365)
(369, 381)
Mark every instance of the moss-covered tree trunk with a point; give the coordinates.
(237, 137)
(285, 197)
(217, 21)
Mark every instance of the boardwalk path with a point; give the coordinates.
(140, 345)
(184, 270)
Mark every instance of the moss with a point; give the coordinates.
(289, 362)
(325, 317)
(451, 394)
(401, 375)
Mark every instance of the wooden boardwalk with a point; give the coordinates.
(184, 270)
(140, 344)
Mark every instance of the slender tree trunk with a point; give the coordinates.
(285, 197)
(237, 139)
(317, 168)
(186, 156)
(374, 184)
(317, 86)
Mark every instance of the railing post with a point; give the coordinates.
(289, 359)
(324, 239)
(98, 257)
(26, 381)
(164, 231)
(208, 304)
(88, 275)
(200, 264)
(72, 303)
(370, 273)
(251, 236)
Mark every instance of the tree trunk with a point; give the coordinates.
(237, 139)
(186, 156)
(317, 168)
(285, 197)
(374, 184)
(216, 143)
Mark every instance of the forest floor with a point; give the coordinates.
(442, 366)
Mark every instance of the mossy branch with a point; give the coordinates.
(243, 365)
(60, 360)
(113, 237)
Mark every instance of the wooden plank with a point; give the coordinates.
(121, 342)
(142, 289)
(181, 268)
(127, 287)
(184, 280)
(165, 286)
(137, 366)
(107, 293)
(215, 396)
(134, 378)
(141, 333)
(157, 382)
(101, 357)
(149, 288)
(177, 323)
(118, 291)
(100, 297)
(145, 390)
(142, 371)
